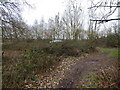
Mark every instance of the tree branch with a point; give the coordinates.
(103, 6)
(105, 20)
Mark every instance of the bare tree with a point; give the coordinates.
(108, 8)
(72, 19)
(51, 27)
(57, 25)
(103, 11)
(11, 18)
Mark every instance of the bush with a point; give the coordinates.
(112, 40)
(29, 40)
(69, 48)
(104, 78)
(23, 70)
(39, 59)
(108, 77)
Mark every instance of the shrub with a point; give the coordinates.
(104, 78)
(20, 71)
(112, 40)
(17, 72)
(39, 59)
(29, 40)
(108, 77)
(69, 48)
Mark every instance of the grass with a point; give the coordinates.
(105, 77)
(90, 81)
(112, 51)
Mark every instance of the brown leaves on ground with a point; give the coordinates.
(52, 79)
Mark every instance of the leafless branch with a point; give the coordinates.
(103, 6)
(105, 20)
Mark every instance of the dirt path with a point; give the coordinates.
(72, 69)
(90, 64)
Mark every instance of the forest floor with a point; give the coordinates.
(28, 64)
(73, 72)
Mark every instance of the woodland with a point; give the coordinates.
(72, 50)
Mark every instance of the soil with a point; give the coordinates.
(12, 53)
(69, 72)
(92, 63)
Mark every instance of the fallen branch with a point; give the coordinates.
(112, 84)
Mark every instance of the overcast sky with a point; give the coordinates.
(48, 8)
(42, 8)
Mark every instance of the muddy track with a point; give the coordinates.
(71, 72)
(90, 64)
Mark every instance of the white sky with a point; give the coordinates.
(48, 8)
(43, 8)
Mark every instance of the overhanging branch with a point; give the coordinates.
(105, 20)
(103, 6)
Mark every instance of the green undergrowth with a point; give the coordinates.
(89, 81)
(18, 72)
(68, 49)
(104, 78)
(38, 57)
(112, 51)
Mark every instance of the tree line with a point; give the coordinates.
(68, 26)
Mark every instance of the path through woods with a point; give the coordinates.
(72, 70)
